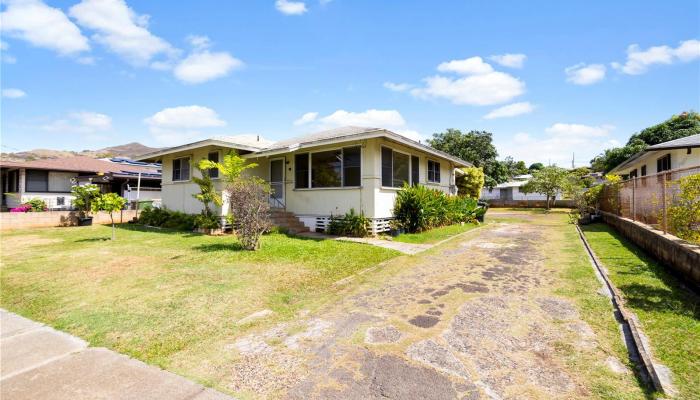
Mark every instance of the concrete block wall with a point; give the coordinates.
(9, 220)
(682, 257)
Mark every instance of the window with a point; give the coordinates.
(181, 169)
(326, 169)
(36, 181)
(301, 170)
(415, 169)
(332, 168)
(395, 168)
(633, 173)
(644, 170)
(663, 163)
(60, 201)
(351, 166)
(214, 157)
(433, 171)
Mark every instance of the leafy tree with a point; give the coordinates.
(548, 181)
(514, 167)
(684, 215)
(535, 167)
(108, 202)
(475, 147)
(231, 167)
(471, 183)
(678, 126)
(207, 192)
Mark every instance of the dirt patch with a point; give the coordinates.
(18, 244)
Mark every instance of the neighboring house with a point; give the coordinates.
(51, 180)
(674, 154)
(510, 191)
(317, 175)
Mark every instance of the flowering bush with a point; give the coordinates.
(22, 208)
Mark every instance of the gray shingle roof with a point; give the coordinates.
(336, 133)
(688, 141)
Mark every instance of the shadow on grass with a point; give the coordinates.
(150, 229)
(211, 247)
(670, 296)
(99, 239)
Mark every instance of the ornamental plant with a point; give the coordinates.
(84, 196)
(109, 202)
(250, 209)
(684, 215)
(418, 208)
(351, 224)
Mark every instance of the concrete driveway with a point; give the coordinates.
(475, 318)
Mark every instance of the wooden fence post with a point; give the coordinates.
(634, 208)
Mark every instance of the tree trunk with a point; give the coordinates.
(112, 218)
(548, 197)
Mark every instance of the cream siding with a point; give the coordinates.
(679, 159)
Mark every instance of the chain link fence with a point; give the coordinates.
(646, 199)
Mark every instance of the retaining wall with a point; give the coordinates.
(676, 253)
(10, 220)
(496, 203)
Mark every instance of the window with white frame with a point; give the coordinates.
(181, 169)
(396, 168)
(328, 169)
(433, 171)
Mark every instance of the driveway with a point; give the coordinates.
(474, 318)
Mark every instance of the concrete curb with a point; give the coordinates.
(658, 374)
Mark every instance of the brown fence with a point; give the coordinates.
(646, 198)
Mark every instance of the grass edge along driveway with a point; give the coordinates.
(669, 313)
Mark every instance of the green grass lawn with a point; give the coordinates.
(161, 295)
(670, 314)
(434, 235)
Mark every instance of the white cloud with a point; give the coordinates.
(121, 30)
(306, 118)
(387, 119)
(176, 125)
(203, 66)
(13, 93)
(582, 74)
(199, 41)
(42, 26)
(510, 60)
(480, 90)
(639, 61)
(468, 66)
(511, 110)
(397, 87)
(558, 145)
(291, 7)
(84, 122)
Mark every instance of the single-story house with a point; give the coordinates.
(318, 175)
(674, 154)
(510, 191)
(51, 180)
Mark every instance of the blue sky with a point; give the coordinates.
(579, 76)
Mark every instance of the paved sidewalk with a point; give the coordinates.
(39, 362)
(406, 248)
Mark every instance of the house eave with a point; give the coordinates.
(195, 145)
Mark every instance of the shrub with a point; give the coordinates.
(351, 224)
(207, 221)
(471, 183)
(164, 218)
(684, 215)
(83, 196)
(36, 205)
(250, 209)
(109, 202)
(23, 208)
(418, 208)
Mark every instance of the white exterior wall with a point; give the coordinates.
(59, 185)
(679, 159)
(371, 199)
(495, 194)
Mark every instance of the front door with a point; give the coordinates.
(277, 183)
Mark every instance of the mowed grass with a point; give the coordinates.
(566, 257)
(670, 314)
(435, 235)
(163, 296)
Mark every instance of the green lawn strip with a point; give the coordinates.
(669, 314)
(435, 235)
(161, 295)
(566, 255)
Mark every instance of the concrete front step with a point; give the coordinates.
(288, 221)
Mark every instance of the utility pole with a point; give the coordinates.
(573, 158)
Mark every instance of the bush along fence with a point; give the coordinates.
(668, 201)
(418, 208)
